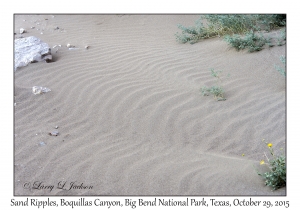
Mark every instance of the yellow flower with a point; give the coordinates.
(243, 155)
(262, 162)
(270, 145)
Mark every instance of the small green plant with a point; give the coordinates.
(269, 42)
(217, 90)
(250, 41)
(280, 69)
(276, 177)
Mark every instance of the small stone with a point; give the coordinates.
(15, 104)
(32, 27)
(42, 33)
(54, 133)
(48, 58)
(70, 46)
(22, 30)
(86, 47)
(56, 28)
(56, 127)
(39, 90)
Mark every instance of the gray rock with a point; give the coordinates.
(29, 50)
(54, 133)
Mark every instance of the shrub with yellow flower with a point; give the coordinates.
(276, 177)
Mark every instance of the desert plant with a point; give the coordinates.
(276, 177)
(280, 69)
(250, 41)
(217, 90)
(195, 33)
(271, 21)
(216, 25)
(269, 42)
(232, 23)
(231, 26)
(282, 37)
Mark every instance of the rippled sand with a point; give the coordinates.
(131, 116)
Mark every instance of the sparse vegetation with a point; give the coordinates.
(217, 90)
(280, 69)
(250, 41)
(276, 177)
(282, 37)
(240, 30)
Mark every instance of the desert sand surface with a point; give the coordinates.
(130, 113)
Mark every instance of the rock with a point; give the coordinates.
(54, 133)
(39, 90)
(70, 46)
(29, 50)
(87, 47)
(22, 30)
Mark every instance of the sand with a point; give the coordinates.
(130, 113)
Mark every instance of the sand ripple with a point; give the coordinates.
(131, 116)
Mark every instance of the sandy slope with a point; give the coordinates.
(131, 116)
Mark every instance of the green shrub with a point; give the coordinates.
(276, 177)
(250, 41)
(280, 69)
(195, 33)
(217, 90)
(231, 25)
(269, 22)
